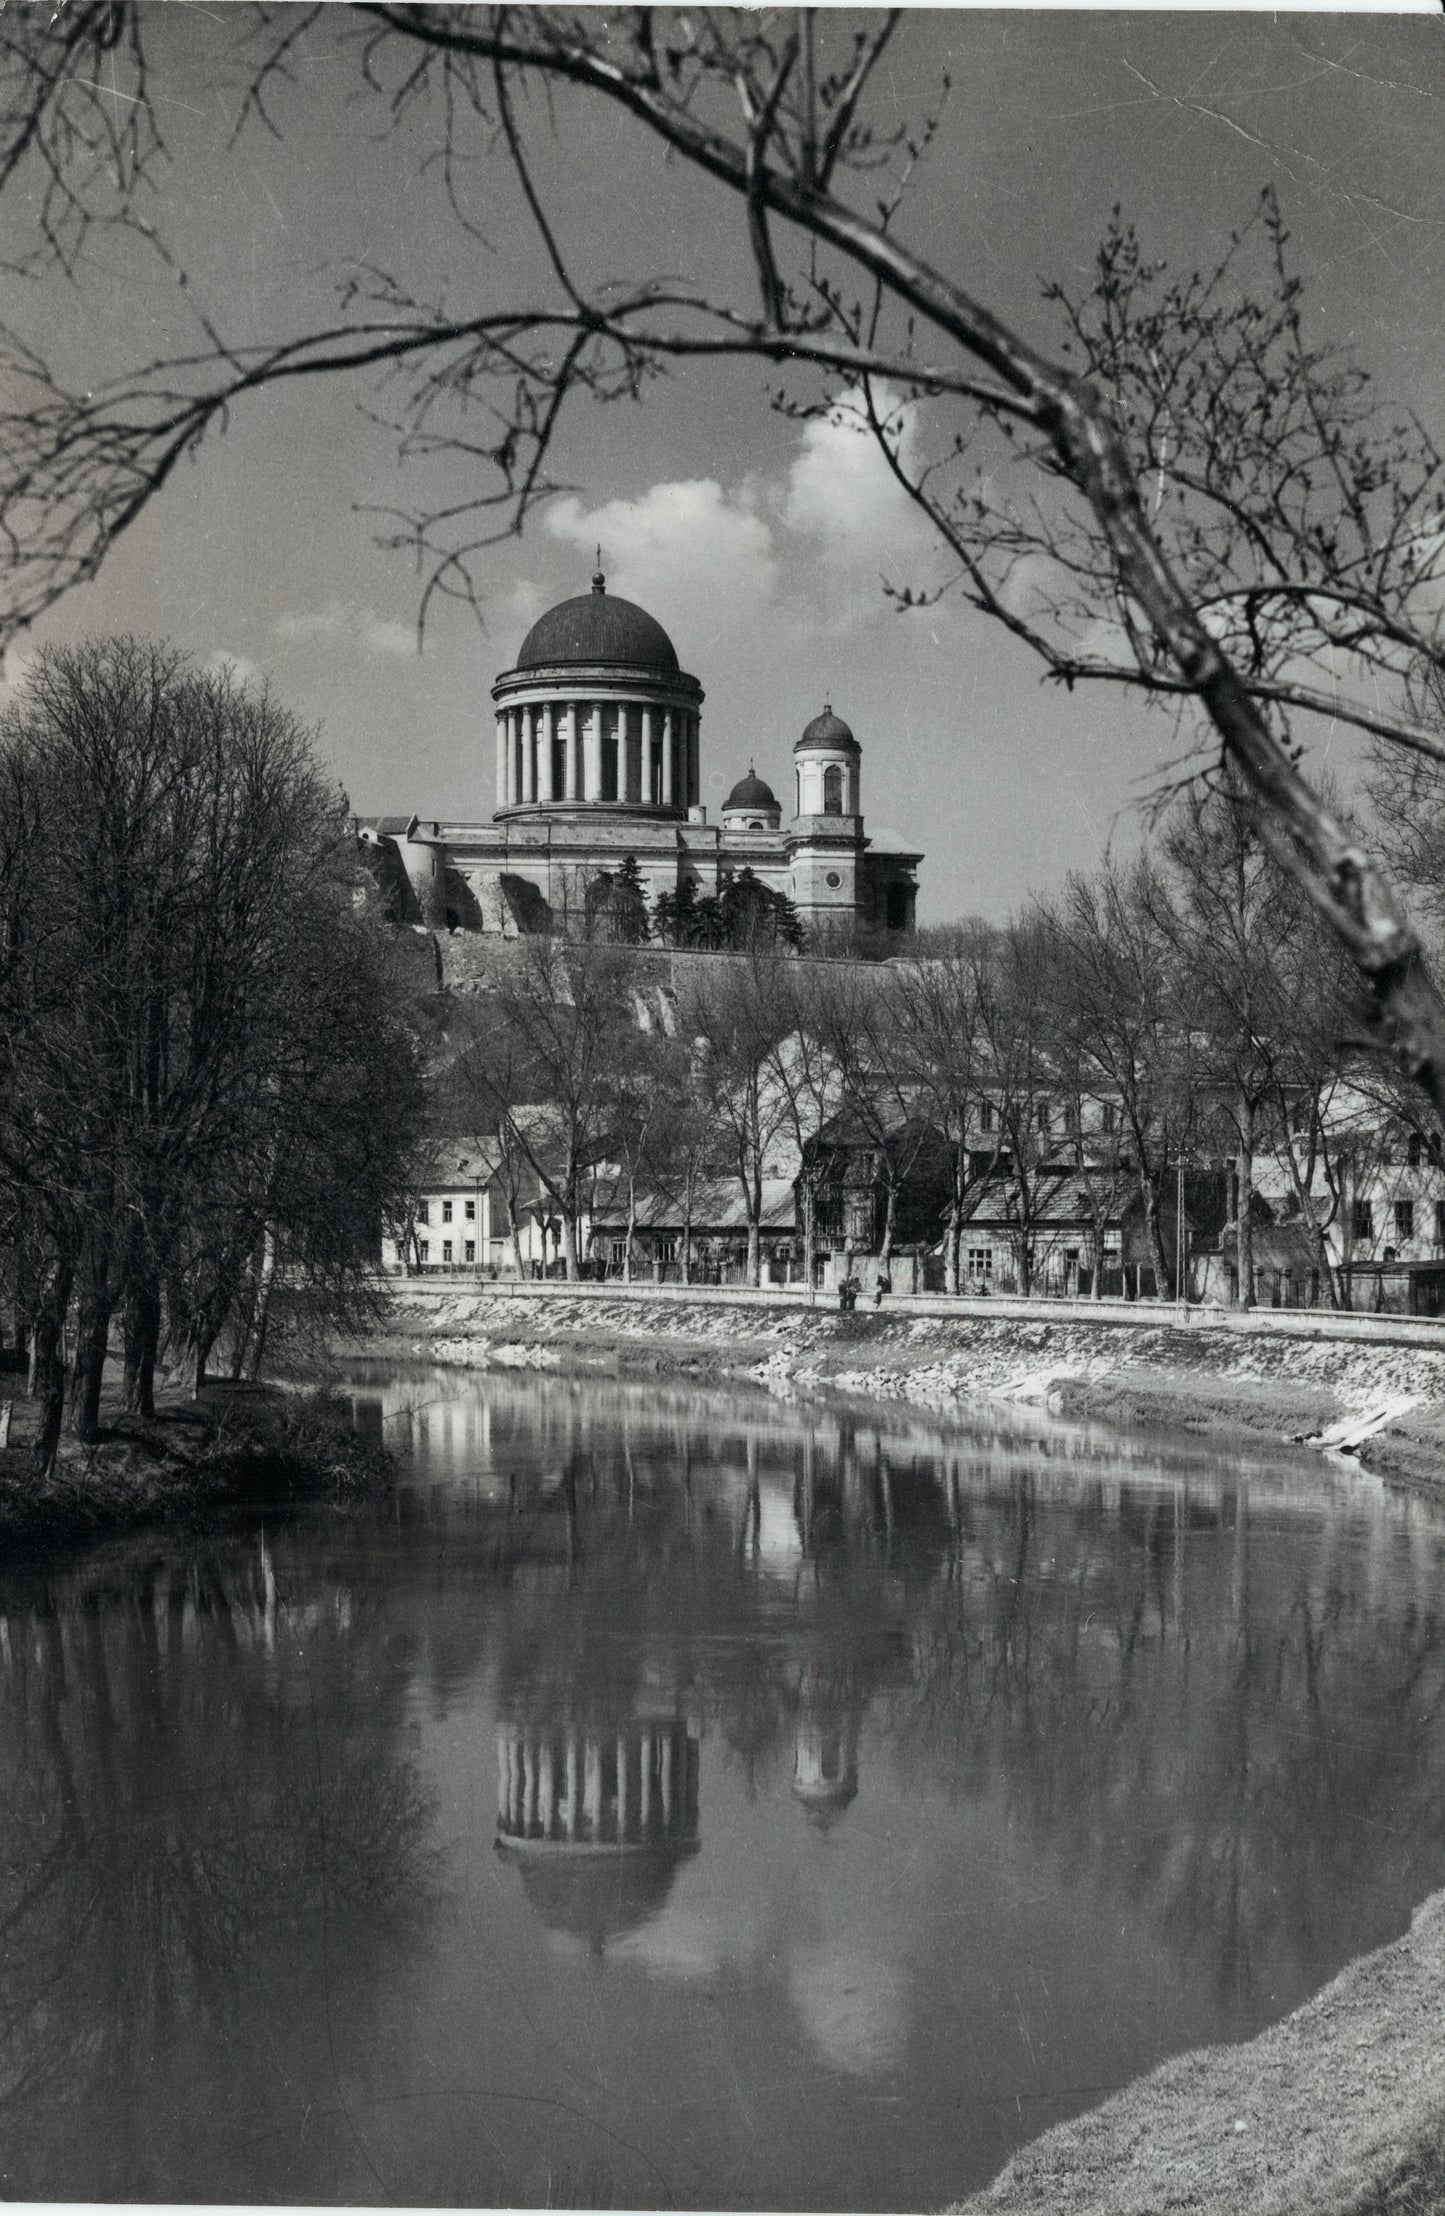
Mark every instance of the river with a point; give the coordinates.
(676, 1797)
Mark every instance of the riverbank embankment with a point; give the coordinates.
(234, 1445)
(1375, 1384)
(1337, 2111)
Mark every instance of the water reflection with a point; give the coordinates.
(597, 1825)
(674, 1796)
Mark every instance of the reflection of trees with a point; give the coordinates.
(1206, 1694)
(168, 1810)
(1211, 1721)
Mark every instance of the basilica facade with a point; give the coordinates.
(599, 758)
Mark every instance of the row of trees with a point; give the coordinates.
(205, 1079)
(1187, 1005)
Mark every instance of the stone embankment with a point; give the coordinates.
(1371, 1391)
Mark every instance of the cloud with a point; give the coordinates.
(14, 665)
(348, 620)
(852, 522)
(688, 545)
(239, 667)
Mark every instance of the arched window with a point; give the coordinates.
(833, 790)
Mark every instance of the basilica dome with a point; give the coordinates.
(827, 730)
(597, 627)
(751, 792)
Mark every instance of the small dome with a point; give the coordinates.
(598, 627)
(828, 730)
(751, 792)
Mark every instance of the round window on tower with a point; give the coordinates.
(833, 879)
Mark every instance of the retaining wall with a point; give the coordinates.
(1131, 1315)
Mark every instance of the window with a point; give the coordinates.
(1435, 1150)
(666, 1250)
(980, 1261)
(470, 1250)
(833, 790)
(985, 1116)
(1364, 1220)
(423, 1211)
(423, 1248)
(1440, 1223)
(446, 1211)
(1106, 1116)
(446, 1250)
(1071, 1115)
(1404, 1219)
(618, 1253)
(1043, 1117)
(1414, 1149)
(469, 1209)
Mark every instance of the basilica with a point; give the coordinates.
(598, 759)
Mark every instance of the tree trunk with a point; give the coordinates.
(628, 1234)
(687, 1231)
(1154, 1231)
(890, 1220)
(142, 1332)
(755, 1250)
(569, 1244)
(49, 1369)
(92, 1332)
(262, 1323)
(810, 1235)
(516, 1230)
(1244, 1219)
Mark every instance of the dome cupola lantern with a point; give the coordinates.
(827, 759)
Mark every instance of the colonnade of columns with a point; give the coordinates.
(555, 753)
(630, 1788)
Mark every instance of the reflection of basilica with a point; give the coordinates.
(825, 1758)
(598, 1822)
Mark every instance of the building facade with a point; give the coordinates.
(598, 758)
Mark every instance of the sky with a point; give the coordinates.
(760, 542)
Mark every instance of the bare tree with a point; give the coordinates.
(1116, 999)
(563, 1010)
(941, 995)
(200, 1048)
(1224, 516)
(735, 1010)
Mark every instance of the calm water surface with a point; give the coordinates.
(675, 1798)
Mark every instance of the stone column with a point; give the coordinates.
(546, 1791)
(544, 767)
(622, 1811)
(694, 761)
(529, 758)
(667, 1779)
(574, 1786)
(669, 742)
(592, 1789)
(514, 1783)
(504, 1781)
(592, 754)
(501, 759)
(645, 1783)
(651, 770)
(569, 751)
(515, 776)
(529, 1787)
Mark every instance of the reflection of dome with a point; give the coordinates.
(825, 1767)
(597, 1820)
(598, 627)
(751, 792)
(595, 1896)
(827, 730)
